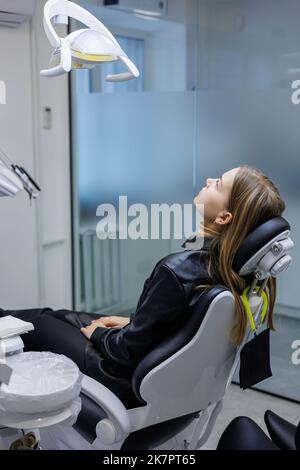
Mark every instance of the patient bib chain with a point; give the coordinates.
(254, 327)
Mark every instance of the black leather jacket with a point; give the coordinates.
(160, 310)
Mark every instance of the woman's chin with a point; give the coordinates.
(197, 200)
(198, 203)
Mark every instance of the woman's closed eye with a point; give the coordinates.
(219, 183)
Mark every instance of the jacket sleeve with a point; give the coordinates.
(161, 303)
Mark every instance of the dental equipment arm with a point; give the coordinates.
(13, 178)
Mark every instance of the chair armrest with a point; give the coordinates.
(108, 401)
(282, 433)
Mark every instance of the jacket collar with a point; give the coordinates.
(196, 242)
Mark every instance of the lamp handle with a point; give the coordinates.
(65, 62)
(124, 76)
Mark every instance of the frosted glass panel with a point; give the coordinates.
(134, 139)
(140, 145)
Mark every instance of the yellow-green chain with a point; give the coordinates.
(248, 309)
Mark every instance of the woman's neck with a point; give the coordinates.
(208, 230)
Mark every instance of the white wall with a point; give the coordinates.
(35, 252)
(19, 286)
(53, 161)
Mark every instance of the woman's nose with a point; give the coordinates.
(209, 181)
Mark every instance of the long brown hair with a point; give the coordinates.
(253, 200)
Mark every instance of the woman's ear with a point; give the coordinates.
(224, 218)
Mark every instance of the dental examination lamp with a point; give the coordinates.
(84, 48)
(13, 178)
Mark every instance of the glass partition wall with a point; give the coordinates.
(249, 56)
(215, 92)
(134, 139)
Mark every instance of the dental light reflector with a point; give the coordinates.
(83, 48)
(14, 178)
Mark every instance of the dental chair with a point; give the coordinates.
(179, 386)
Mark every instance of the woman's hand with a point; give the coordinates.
(105, 322)
(89, 330)
(113, 321)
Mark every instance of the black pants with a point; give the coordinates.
(59, 332)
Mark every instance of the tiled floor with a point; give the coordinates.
(253, 404)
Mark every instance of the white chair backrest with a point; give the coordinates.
(195, 376)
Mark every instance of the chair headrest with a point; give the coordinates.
(264, 250)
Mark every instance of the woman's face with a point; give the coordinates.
(213, 198)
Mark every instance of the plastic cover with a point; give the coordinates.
(40, 382)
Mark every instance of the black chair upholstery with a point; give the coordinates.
(244, 434)
(89, 416)
(284, 434)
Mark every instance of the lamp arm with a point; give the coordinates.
(66, 9)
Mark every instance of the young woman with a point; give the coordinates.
(109, 348)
